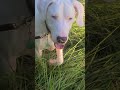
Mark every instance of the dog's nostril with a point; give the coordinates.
(61, 39)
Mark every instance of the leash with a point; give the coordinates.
(7, 27)
(14, 26)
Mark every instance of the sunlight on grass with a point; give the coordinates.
(68, 76)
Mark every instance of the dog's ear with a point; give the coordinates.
(79, 8)
(42, 6)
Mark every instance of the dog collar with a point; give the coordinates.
(39, 37)
(47, 27)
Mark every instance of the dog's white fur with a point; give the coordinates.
(59, 15)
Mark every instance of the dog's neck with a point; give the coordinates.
(48, 30)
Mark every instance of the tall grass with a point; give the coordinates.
(102, 45)
(70, 75)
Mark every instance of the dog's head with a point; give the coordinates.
(59, 16)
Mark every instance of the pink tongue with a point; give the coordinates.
(59, 46)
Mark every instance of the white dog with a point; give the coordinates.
(53, 21)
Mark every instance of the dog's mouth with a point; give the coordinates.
(59, 45)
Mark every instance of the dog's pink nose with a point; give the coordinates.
(61, 39)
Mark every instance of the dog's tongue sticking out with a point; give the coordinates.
(59, 46)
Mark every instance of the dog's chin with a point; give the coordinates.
(59, 45)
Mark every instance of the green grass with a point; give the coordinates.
(70, 75)
(22, 79)
(102, 46)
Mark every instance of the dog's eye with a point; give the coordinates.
(55, 17)
(70, 18)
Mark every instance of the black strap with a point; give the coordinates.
(47, 27)
(14, 26)
(37, 37)
(7, 27)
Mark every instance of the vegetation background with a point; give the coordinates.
(102, 61)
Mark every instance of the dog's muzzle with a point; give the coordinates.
(60, 42)
(61, 39)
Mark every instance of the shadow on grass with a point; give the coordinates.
(102, 46)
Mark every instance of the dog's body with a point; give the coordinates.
(55, 18)
(14, 31)
(13, 44)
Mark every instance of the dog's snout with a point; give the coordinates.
(61, 39)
